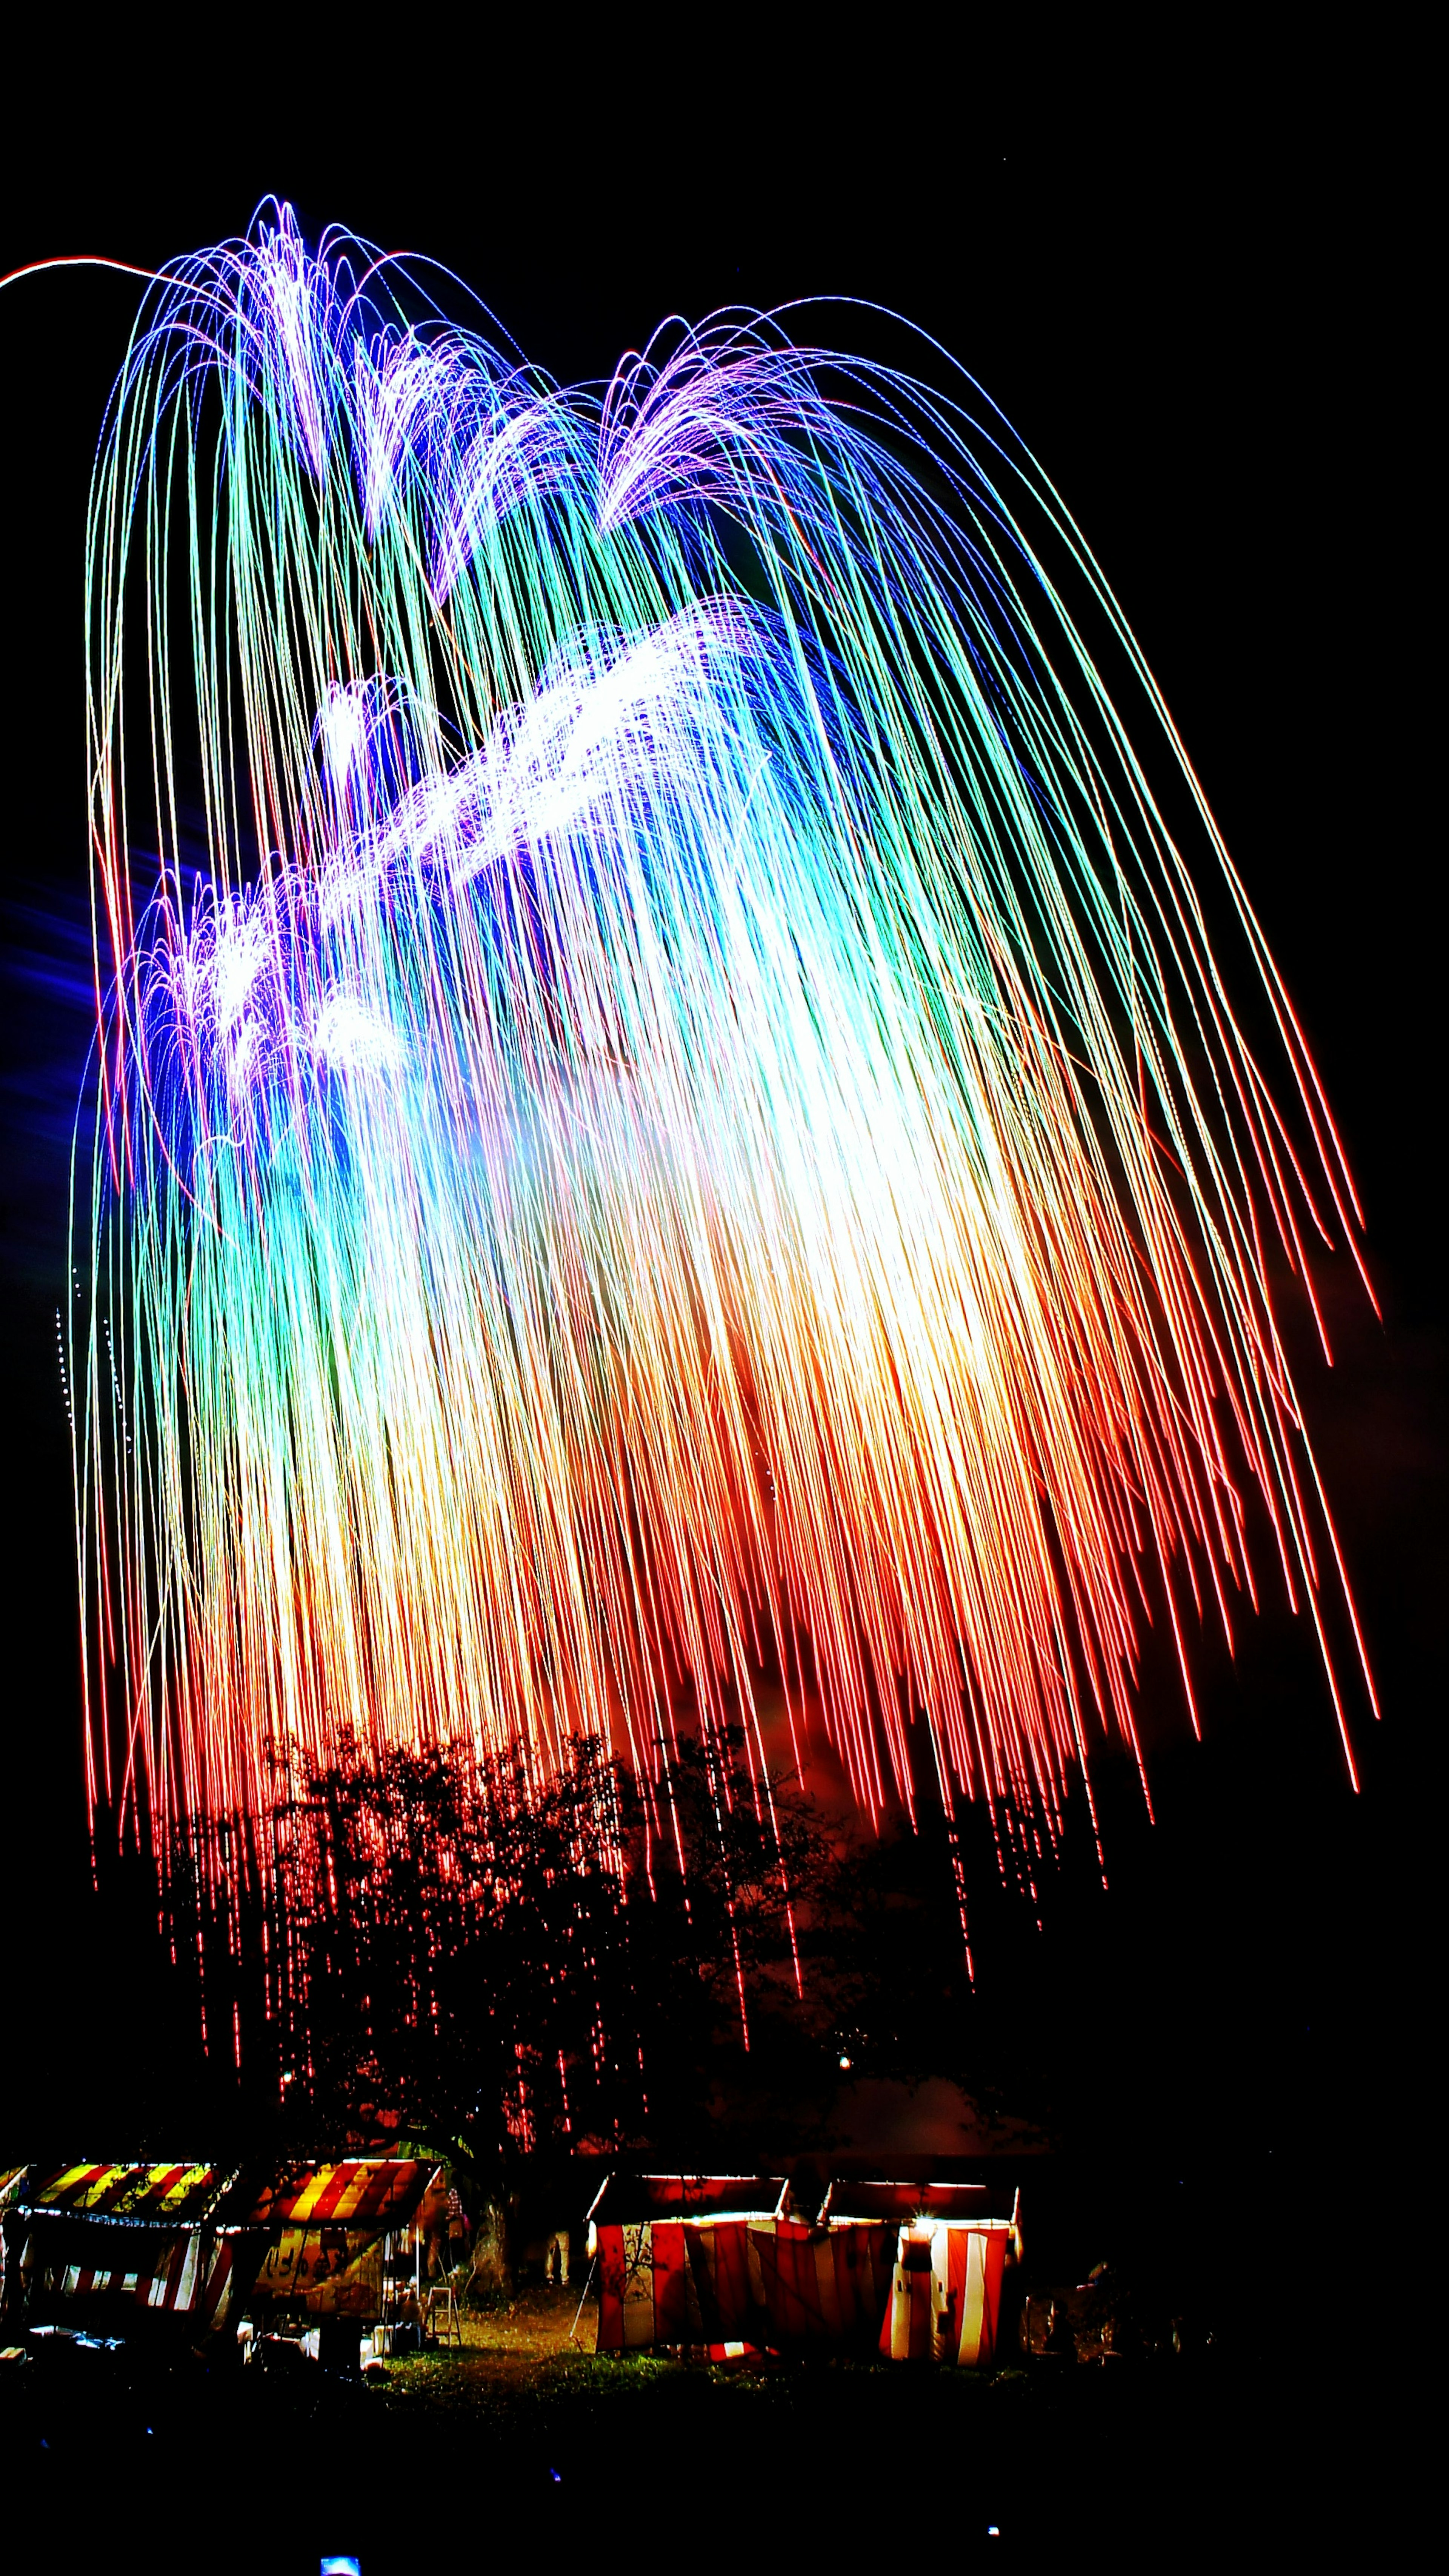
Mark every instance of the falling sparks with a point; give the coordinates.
(688, 1125)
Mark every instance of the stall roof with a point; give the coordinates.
(628, 2199)
(371, 2193)
(169, 2196)
(374, 2193)
(904, 2201)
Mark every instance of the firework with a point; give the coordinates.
(671, 1112)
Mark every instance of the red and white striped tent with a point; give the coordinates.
(127, 2248)
(676, 2263)
(727, 2264)
(950, 2259)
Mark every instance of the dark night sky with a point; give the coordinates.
(1196, 301)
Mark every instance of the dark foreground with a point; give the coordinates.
(523, 2444)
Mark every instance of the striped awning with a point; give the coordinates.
(169, 2195)
(368, 2195)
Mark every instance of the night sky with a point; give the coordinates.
(1196, 304)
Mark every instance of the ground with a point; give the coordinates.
(525, 2443)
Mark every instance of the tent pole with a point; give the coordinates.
(588, 2285)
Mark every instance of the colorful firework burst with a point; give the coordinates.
(687, 1122)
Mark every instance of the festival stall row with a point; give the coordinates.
(176, 2251)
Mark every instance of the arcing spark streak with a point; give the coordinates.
(689, 1123)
